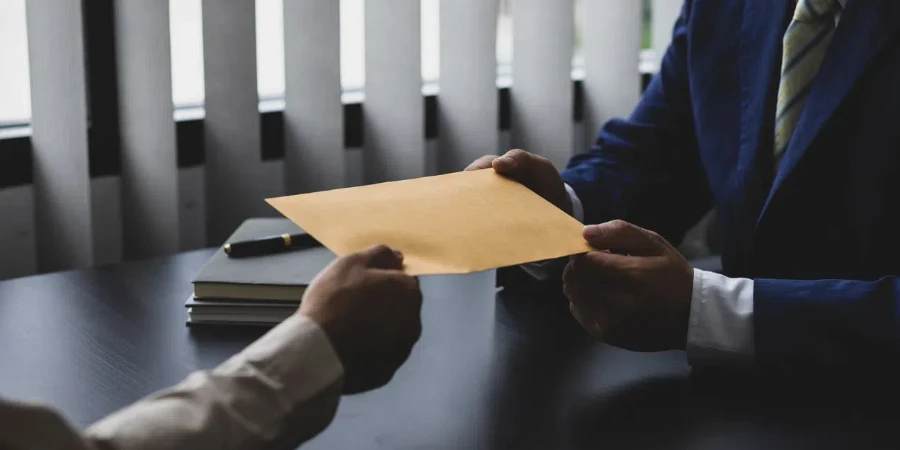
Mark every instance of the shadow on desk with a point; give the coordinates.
(537, 348)
(555, 388)
(735, 411)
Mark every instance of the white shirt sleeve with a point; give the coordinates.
(553, 268)
(279, 392)
(720, 328)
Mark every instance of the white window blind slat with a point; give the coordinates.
(468, 84)
(59, 134)
(543, 38)
(393, 109)
(234, 191)
(612, 32)
(313, 114)
(149, 154)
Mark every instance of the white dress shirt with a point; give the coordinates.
(279, 392)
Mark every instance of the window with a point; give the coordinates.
(187, 50)
(648, 26)
(186, 28)
(353, 44)
(431, 40)
(187, 55)
(504, 40)
(15, 96)
(270, 48)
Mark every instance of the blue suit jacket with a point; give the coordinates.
(821, 237)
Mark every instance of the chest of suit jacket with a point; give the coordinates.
(836, 211)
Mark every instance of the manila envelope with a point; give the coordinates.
(457, 223)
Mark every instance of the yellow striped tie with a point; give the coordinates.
(804, 46)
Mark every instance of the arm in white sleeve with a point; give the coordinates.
(720, 328)
(551, 268)
(280, 391)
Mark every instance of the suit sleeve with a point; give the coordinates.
(826, 323)
(646, 169)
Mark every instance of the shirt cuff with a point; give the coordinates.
(553, 268)
(720, 328)
(296, 356)
(577, 207)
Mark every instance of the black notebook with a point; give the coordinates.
(278, 277)
(247, 312)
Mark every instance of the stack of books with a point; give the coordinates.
(258, 290)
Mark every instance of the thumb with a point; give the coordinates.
(381, 257)
(622, 237)
(517, 164)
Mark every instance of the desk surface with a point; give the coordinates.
(491, 371)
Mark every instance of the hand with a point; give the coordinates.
(535, 172)
(370, 311)
(634, 292)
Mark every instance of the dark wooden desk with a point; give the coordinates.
(494, 372)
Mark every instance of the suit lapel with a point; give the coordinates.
(865, 27)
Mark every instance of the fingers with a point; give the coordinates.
(579, 283)
(601, 265)
(623, 237)
(481, 163)
(381, 257)
(403, 294)
(395, 281)
(594, 321)
(372, 378)
(519, 164)
(597, 280)
(514, 163)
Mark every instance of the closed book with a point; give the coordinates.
(280, 276)
(237, 302)
(245, 320)
(238, 312)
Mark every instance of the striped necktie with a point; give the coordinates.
(804, 46)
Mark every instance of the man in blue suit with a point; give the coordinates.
(785, 116)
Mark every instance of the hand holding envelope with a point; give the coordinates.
(447, 224)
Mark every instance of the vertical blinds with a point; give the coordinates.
(543, 43)
(541, 96)
(611, 49)
(313, 116)
(59, 134)
(468, 84)
(148, 148)
(231, 126)
(393, 107)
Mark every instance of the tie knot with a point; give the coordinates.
(816, 10)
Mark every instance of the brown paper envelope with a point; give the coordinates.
(456, 223)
